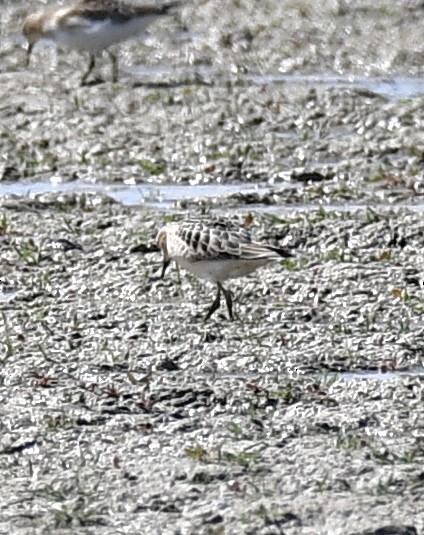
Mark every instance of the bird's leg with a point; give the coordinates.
(178, 275)
(228, 300)
(90, 68)
(164, 267)
(215, 304)
(114, 60)
(28, 54)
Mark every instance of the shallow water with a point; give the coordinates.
(278, 209)
(6, 295)
(154, 196)
(391, 87)
(165, 197)
(394, 87)
(380, 375)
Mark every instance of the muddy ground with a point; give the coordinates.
(121, 411)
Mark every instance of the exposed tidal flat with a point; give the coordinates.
(121, 411)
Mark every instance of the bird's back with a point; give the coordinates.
(93, 25)
(120, 12)
(217, 240)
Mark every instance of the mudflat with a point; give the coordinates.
(121, 411)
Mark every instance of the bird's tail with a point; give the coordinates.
(259, 251)
(169, 6)
(284, 253)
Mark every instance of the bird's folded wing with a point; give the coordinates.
(77, 22)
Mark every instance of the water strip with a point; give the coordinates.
(149, 195)
(391, 87)
(380, 375)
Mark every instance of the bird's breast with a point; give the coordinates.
(94, 36)
(220, 270)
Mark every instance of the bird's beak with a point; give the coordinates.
(28, 54)
(164, 267)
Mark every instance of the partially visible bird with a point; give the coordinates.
(92, 26)
(215, 250)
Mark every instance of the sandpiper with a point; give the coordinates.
(215, 250)
(92, 26)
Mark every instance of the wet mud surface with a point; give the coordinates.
(121, 411)
(122, 408)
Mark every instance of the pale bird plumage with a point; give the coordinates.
(92, 26)
(215, 250)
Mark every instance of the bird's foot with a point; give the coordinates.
(94, 81)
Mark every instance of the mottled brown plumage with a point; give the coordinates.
(119, 11)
